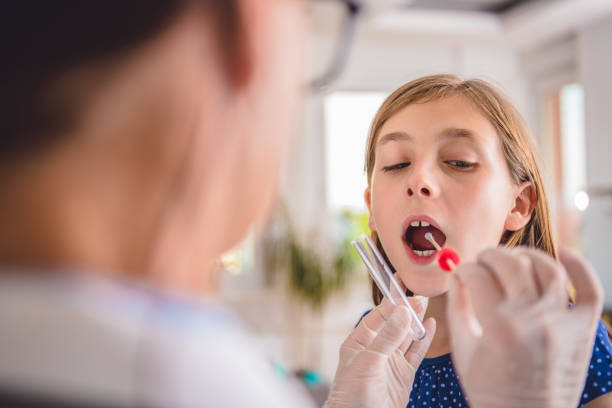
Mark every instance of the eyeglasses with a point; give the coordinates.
(342, 48)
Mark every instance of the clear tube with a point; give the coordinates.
(382, 275)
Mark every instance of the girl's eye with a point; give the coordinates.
(460, 164)
(396, 167)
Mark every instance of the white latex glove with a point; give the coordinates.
(515, 342)
(378, 360)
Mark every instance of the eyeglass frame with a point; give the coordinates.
(342, 48)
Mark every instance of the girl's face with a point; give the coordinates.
(439, 168)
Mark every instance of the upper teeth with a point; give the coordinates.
(419, 224)
(424, 253)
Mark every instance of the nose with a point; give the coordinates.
(425, 191)
(421, 183)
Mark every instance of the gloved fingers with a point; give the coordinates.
(403, 348)
(419, 304)
(393, 333)
(463, 324)
(361, 336)
(384, 309)
(513, 271)
(369, 326)
(589, 293)
(417, 350)
(460, 309)
(550, 277)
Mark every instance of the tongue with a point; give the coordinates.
(419, 242)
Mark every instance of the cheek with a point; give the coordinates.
(383, 203)
(477, 195)
(483, 207)
(277, 91)
(271, 106)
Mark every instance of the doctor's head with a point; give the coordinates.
(158, 123)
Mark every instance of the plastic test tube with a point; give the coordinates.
(382, 275)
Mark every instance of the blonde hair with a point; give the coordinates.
(517, 146)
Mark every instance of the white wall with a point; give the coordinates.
(380, 62)
(595, 65)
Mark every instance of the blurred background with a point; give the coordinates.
(299, 286)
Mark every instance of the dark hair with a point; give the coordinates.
(42, 40)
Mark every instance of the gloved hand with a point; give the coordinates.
(515, 341)
(378, 360)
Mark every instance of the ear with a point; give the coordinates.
(368, 200)
(238, 31)
(524, 202)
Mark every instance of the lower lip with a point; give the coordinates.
(419, 260)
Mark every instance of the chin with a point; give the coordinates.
(427, 286)
(431, 292)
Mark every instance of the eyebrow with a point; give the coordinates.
(394, 136)
(449, 133)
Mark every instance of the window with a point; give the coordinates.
(568, 159)
(573, 147)
(348, 116)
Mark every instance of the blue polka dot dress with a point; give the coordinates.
(436, 384)
(599, 377)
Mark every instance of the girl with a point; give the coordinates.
(454, 158)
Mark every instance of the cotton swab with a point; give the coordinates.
(448, 259)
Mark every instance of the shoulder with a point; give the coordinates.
(200, 355)
(115, 344)
(206, 365)
(599, 376)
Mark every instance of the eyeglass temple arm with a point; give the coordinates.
(343, 46)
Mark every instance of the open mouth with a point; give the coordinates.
(416, 241)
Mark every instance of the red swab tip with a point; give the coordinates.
(444, 256)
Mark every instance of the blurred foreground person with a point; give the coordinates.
(140, 140)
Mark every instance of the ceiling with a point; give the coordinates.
(521, 24)
(489, 6)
